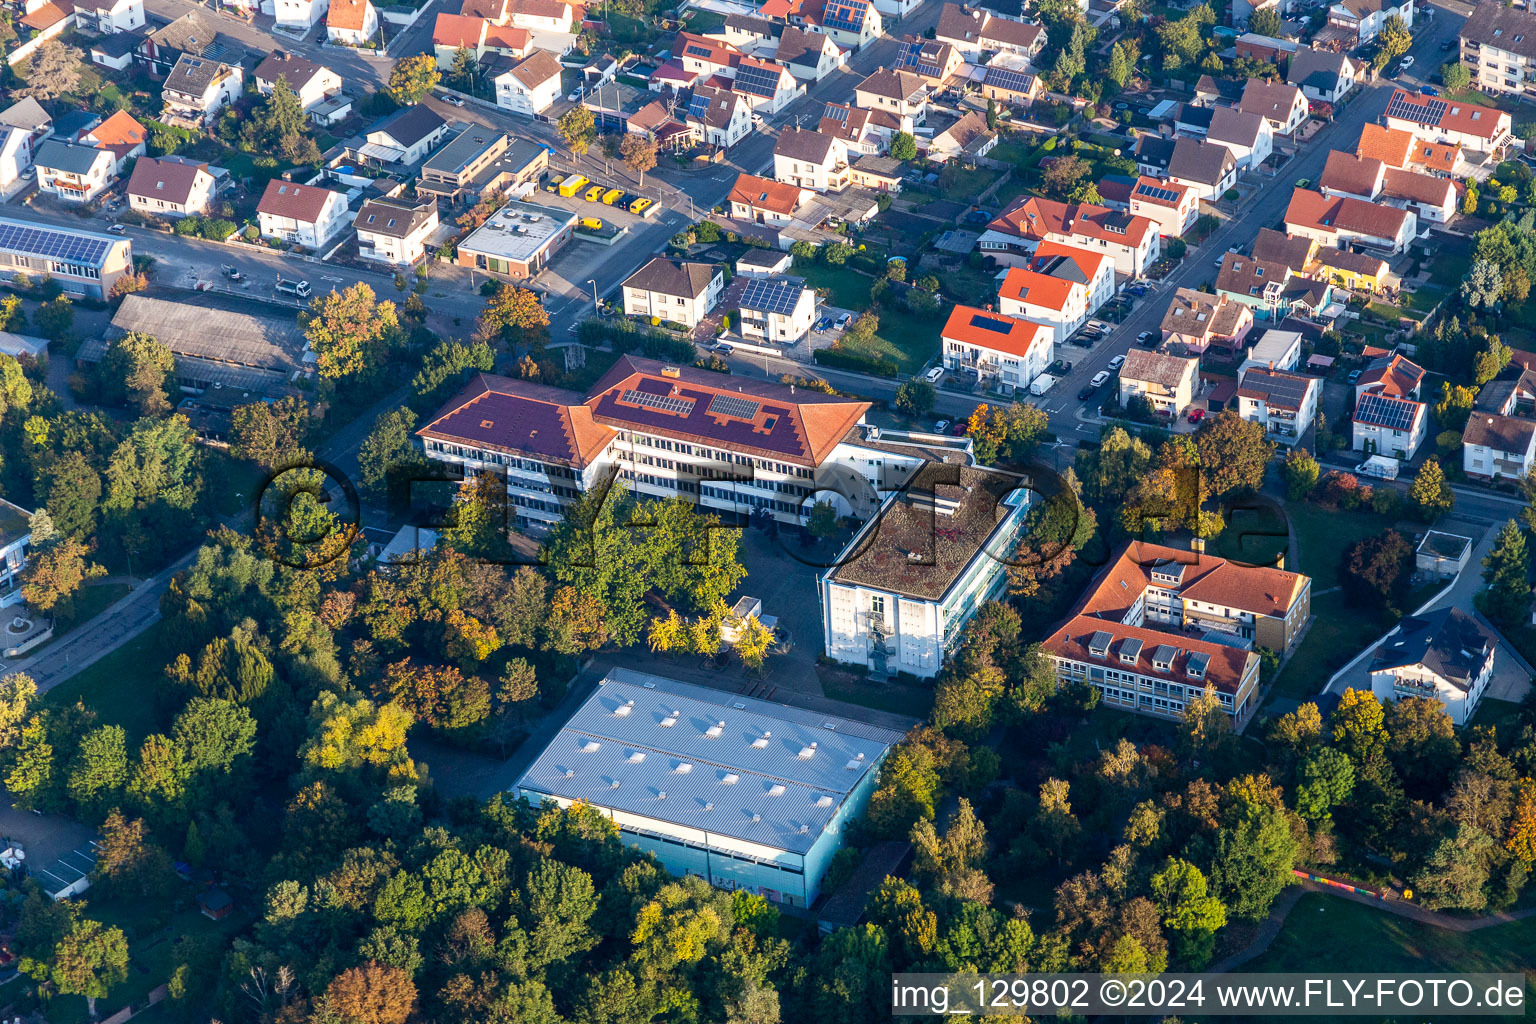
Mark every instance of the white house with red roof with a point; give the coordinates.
(1001, 348)
(169, 187)
(765, 201)
(1455, 123)
(306, 215)
(530, 85)
(1013, 235)
(1339, 221)
(1061, 285)
(351, 22)
(766, 86)
(299, 15)
(1173, 207)
(121, 135)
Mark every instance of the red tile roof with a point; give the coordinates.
(164, 179)
(1206, 578)
(458, 30)
(1225, 668)
(1389, 145)
(765, 194)
(120, 133)
(296, 202)
(986, 329)
(515, 416)
(1456, 116)
(1318, 212)
(1024, 285)
(349, 15)
(1398, 377)
(1032, 217)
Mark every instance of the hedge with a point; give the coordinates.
(856, 361)
(626, 336)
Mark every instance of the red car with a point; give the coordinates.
(958, 430)
(1196, 415)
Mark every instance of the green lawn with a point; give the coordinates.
(845, 286)
(897, 698)
(1503, 715)
(1452, 256)
(1426, 298)
(120, 687)
(1329, 933)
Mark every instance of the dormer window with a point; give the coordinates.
(1130, 651)
(1162, 658)
(1098, 644)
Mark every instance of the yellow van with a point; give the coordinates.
(612, 196)
(592, 223)
(595, 193)
(554, 183)
(572, 184)
(640, 205)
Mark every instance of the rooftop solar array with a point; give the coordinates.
(837, 112)
(846, 16)
(1014, 81)
(772, 296)
(1166, 195)
(996, 324)
(730, 405)
(1428, 112)
(64, 246)
(664, 403)
(1287, 391)
(1385, 411)
(757, 81)
(698, 105)
(695, 50)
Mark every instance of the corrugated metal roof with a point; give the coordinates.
(726, 764)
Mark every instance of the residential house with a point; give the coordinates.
(110, 17)
(1399, 149)
(1281, 104)
(404, 138)
(1445, 654)
(1192, 120)
(852, 24)
(395, 230)
(197, 89)
(673, 291)
(1343, 221)
(776, 310)
(974, 31)
(929, 59)
(28, 115)
(1385, 424)
(1011, 237)
(810, 160)
(764, 201)
(1275, 350)
(967, 140)
(898, 597)
(351, 22)
(1093, 269)
(1207, 167)
(1498, 447)
(548, 16)
(1007, 352)
(1498, 45)
(1008, 79)
(1360, 21)
(1356, 271)
(747, 31)
(530, 85)
(766, 87)
(1169, 205)
(312, 83)
(1323, 76)
(1166, 381)
(305, 215)
(718, 116)
(169, 187)
(1044, 298)
(880, 173)
(16, 160)
(195, 33)
(1218, 92)
(73, 173)
(701, 56)
(900, 94)
(1271, 290)
(759, 817)
(1247, 136)
(1483, 130)
(299, 15)
(763, 263)
(121, 135)
(1283, 403)
(856, 128)
(1395, 375)
(483, 39)
(1153, 154)
(1430, 198)
(810, 56)
(1199, 320)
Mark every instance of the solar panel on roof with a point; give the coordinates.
(1428, 112)
(757, 81)
(698, 105)
(664, 403)
(836, 112)
(695, 50)
(730, 405)
(771, 296)
(63, 246)
(995, 324)
(1014, 81)
(1392, 413)
(1166, 195)
(848, 17)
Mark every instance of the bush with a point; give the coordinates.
(1176, 249)
(849, 360)
(1230, 195)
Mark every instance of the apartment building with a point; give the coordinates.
(1498, 45)
(810, 160)
(1004, 351)
(1478, 129)
(1281, 402)
(777, 310)
(1343, 221)
(1444, 654)
(1013, 235)
(1166, 381)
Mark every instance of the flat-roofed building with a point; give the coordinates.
(449, 171)
(82, 262)
(15, 542)
(745, 794)
(898, 597)
(518, 240)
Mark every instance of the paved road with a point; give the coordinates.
(357, 70)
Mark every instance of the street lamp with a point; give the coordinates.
(593, 283)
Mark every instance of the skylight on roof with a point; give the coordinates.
(591, 747)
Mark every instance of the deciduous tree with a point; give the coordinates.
(412, 78)
(349, 331)
(53, 575)
(639, 153)
(577, 129)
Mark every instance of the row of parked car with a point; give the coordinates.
(571, 185)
